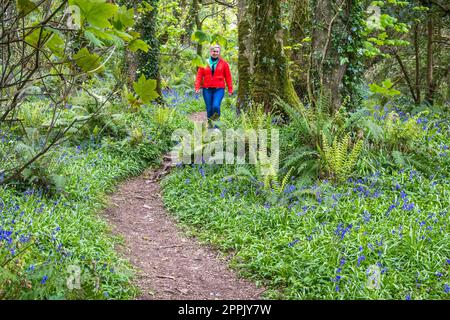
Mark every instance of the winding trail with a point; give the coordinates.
(169, 264)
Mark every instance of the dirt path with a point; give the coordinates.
(170, 265)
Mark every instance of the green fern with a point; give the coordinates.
(284, 181)
(338, 159)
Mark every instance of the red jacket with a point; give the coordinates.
(222, 74)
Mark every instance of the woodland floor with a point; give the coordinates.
(170, 265)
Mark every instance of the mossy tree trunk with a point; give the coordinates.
(336, 64)
(327, 72)
(431, 85)
(299, 28)
(271, 73)
(193, 19)
(149, 61)
(246, 56)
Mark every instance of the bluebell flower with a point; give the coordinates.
(446, 288)
(360, 259)
(340, 231)
(291, 244)
(408, 297)
(290, 188)
(44, 279)
(366, 216)
(408, 206)
(391, 207)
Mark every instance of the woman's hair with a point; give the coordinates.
(215, 46)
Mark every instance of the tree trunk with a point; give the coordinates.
(271, 76)
(246, 60)
(407, 78)
(149, 61)
(417, 59)
(430, 83)
(300, 24)
(327, 72)
(192, 20)
(198, 24)
(130, 59)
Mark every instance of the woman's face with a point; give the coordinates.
(215, 52)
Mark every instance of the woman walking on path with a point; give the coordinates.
(214, 76)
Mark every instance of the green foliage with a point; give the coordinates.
(38, 173)
(97, 13)
(403, 134)
(295, 248)
(198, 61)
(385, 90)
(123, 18)
(138, 44)
(255, 118)
(62, 194)
(384, 31)
(163, 117)
(201, 37)
(89, 62)
(46, 37)
(340, 161)
(145, 89)
(302, 139)
(148, 61)
(25, 6)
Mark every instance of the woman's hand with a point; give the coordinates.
(197, 91)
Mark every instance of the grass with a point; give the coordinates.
(321, 246)
(315, 241)
(47, 239)
(384, 235)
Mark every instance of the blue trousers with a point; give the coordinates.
(213, 98)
